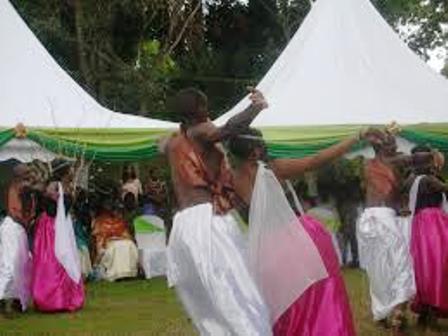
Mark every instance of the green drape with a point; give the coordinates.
(296, 142)
(435, 135)
(5, 136)
(290, 142)
(141, 144)
(96, 144)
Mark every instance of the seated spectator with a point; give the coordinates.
(154, 197)
(116, 252)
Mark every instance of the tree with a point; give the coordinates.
(426, 19)
(132, 55)
(109, 46)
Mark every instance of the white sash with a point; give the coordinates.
(283, 258)
(445, 203)
(65, 242)
(413, 195)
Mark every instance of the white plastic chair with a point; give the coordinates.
(151, 242)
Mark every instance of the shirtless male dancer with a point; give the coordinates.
(382, 244)
(206, 249)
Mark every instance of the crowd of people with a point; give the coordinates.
(57, 235)
(284, 277)
(287, 280)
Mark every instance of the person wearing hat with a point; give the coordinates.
(57, 282)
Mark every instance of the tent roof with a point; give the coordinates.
(37, 92)
(346, 65)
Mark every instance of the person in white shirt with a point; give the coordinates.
(131, 183)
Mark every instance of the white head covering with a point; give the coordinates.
(283, 258)
(15, 262)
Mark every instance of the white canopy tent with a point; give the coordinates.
(37, 92)
(346, 65)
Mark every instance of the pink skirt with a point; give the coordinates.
(429, 249)
(53, 290)
(324, 309)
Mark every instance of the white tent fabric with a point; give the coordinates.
(25, 150)
(36, 91)
(345, 65)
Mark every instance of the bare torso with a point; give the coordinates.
(382, 189)
(190, 192)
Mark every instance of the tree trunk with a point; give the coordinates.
(80, 42)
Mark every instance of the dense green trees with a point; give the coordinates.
(134, 54)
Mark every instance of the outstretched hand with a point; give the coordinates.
(257, 98)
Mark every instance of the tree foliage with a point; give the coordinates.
(132, 55)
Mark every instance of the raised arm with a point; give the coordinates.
(290, 168)
(208, 132)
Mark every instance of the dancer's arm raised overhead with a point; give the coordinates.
(290, 168)
(208, 132)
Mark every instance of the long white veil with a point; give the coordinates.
(65, 241)
(283, 258)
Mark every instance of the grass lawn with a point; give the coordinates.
(149, 308)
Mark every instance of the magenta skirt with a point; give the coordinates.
(53, 290)
(429, 249)
(324, 309)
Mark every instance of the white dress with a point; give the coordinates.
(119, 260)
(387, 260)
(207, 264)
(15, 263)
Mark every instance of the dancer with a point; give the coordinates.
(57, 281)
(293, 259)
(15, 257)
(429, 239)
(206, 260)
(382, 244)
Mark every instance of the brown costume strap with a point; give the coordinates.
(221, 187)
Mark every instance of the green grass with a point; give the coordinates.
(150, 308)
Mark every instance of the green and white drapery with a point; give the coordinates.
(141, 144)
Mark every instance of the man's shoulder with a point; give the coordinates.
(176, 139)
(202, 131)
